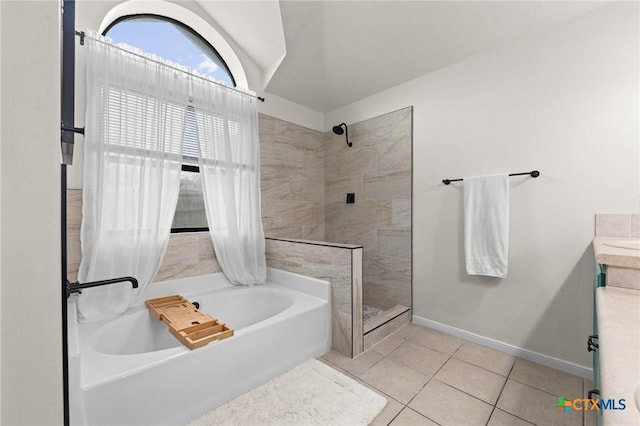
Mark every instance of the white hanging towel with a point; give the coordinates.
(486, 225)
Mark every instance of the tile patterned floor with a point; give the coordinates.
(432, 378)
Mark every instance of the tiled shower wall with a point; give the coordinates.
(377, 168)
(292, 180)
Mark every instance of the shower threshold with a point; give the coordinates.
(374, 317)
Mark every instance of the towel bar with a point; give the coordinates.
(533, 174)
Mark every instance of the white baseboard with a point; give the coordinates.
(546, 360)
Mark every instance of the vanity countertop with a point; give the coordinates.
(618, 311)
(607, 254)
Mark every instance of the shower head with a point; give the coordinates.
(338, 130)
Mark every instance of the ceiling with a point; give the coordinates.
(339, 52)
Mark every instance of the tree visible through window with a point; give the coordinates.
(178, 43)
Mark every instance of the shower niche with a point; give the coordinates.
(368, 201)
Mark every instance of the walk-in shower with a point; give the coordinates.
(375, 174)
(338, 130)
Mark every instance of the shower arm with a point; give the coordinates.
(76, 286)
(346, 134)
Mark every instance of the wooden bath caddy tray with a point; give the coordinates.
(190, 326)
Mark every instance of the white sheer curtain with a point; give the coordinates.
(227, 132)
(132, 158)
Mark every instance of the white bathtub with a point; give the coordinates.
(132, 371)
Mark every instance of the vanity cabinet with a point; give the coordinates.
(615, 342)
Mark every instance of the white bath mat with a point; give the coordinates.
(310, 394)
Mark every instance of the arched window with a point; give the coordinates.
(172, 40)
(178, 43)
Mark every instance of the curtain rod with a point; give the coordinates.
(82, 36)
(533, 174)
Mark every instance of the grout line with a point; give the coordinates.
(511, 414)
(500, 394)
(404, 407)
(483, 368)
(534, 387)
(430, 378)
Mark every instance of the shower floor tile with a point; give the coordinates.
(369, 312)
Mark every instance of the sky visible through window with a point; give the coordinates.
(171, 42)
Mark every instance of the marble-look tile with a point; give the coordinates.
(381, 332)
(623, 277)
(408, 417)
(354, 366)
(362, 235)
(335, 213)
(341, 335)
(373, 213)
(394, 379)
(188, 254)
(553, 381)
(266, 123)
(395, 153)
(74, 209)
(389, 269)
(74, 218)
(356, 305)
(337, 187)
(312, 232)
(378, 170)
(501, 418)
(401, 122)
(448, 406)
(437, 340)
(476, 381)
(74, 254)
(379, 125)
(296, 213)
(419, 358)
(357, 160)
(613, 225)
(333, 264)
(394, 242)
(292, 179)
(401, 212)
(283, 232)
(387, 185)
(279, 155)
(484, 357)
(385, 295)
(535, 406)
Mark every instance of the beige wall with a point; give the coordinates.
(564, 101)
(31, 390)
(377, 168)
